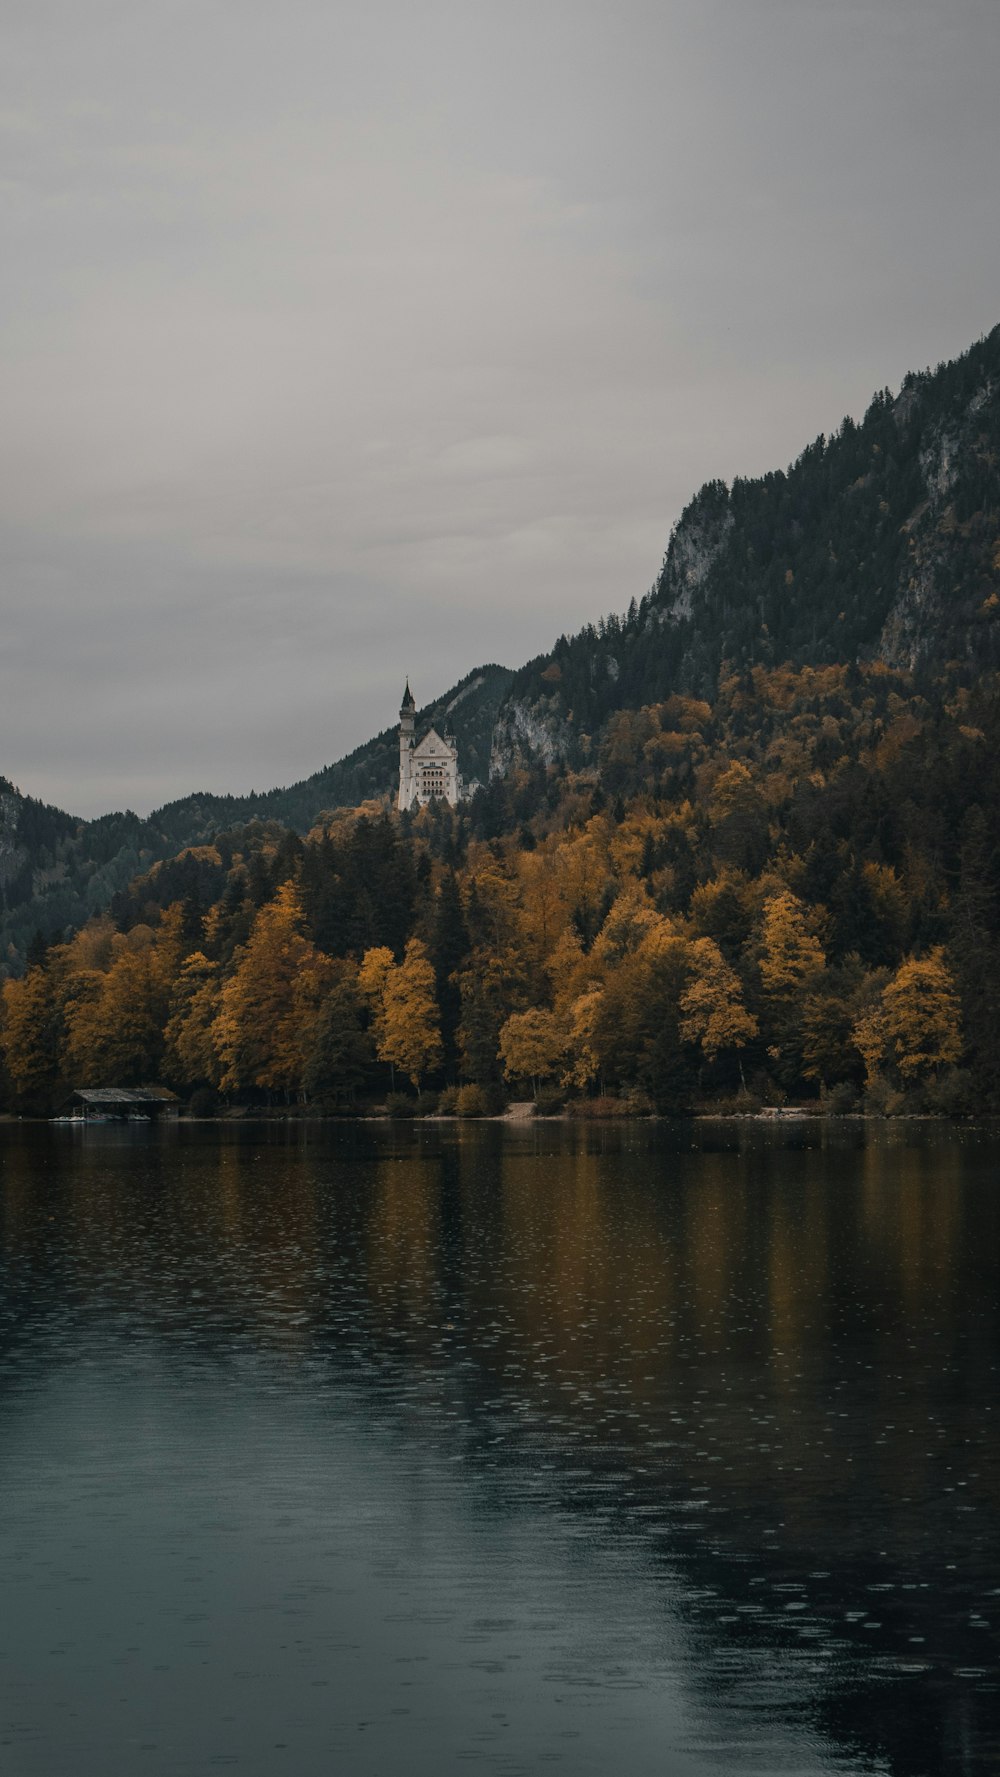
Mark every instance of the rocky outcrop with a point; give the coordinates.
(880, 541)
(526, 732)
(475, 684)
(944, 604)
(13, 856)
(697, 542)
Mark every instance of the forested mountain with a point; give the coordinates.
(740, 844)
(880, 542)
(793, 890)
(56, 871)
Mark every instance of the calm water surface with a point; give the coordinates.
(417, 1449)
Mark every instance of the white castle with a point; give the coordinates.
(430, 769)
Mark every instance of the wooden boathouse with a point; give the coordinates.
(124, 1104)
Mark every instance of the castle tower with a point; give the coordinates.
(428, 769)
(453, 792)
(407, 713)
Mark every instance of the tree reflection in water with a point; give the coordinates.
(753, 1369)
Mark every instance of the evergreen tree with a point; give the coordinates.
(338, 1052)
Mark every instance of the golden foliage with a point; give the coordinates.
(411, 1037)
(922, 1016)
(531, 1044)
(714, 1015)
(791, 956)
(258, 1032)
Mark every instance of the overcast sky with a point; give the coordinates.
(343, 341)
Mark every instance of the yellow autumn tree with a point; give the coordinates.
(261, 1030)
(79, 968)
(494, 896)
(583, 1045)
(584, 875)
(870, 1038)
(30, 1035)
(841, 1021)
(618, 1005)
(190, 1054)
(115, 1017)
(543, 912)
(712, 1010)
(791, 956)
(631, 924)
(922, 1016)
(376, 967)
(411, 1024)
(531, 1044)
(792, 963)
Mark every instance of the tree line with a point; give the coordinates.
(790, 892)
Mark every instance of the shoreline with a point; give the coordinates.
(769, 1118)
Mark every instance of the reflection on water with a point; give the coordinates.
(385, 1450)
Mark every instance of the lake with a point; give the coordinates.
(424, 1448)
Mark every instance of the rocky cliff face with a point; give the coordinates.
(698, 542)
(942, 601)
(13, 856)
(526, 730)
(880, 541)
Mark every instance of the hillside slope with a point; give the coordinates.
(882, 541)
(56, 871)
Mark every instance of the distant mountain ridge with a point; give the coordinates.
(56, 871)
(880, 541)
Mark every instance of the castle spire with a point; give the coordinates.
(407, 782)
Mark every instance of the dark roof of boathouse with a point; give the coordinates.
(124, 1097)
